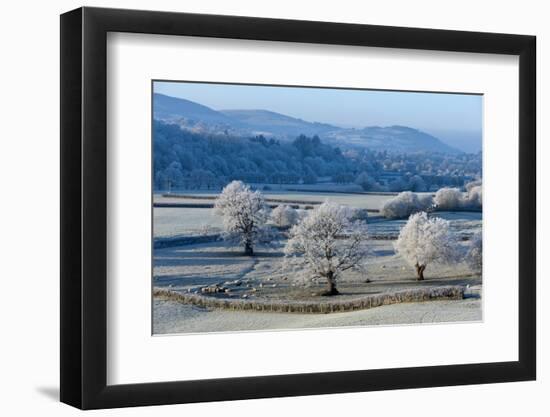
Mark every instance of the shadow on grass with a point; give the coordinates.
(189, 257)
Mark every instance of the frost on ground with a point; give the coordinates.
(269, 276)
(173, 317)
(264, 275)
(195, 265)
(188, 267)
(174, 221)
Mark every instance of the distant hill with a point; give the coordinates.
(172, 108)
(392, 138)
(271, 123)
(470, 141)
(198, 118)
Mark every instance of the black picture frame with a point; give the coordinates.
(84, 207)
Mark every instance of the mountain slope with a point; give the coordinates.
(265, 121)
(172, 108)
(392, 138)
(198, 118)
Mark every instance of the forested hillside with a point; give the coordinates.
(181, 156)
(202, 160)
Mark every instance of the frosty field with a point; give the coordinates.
(186, 268)
(188, 221)
(172, 221)
(268, 275)
(172, 317)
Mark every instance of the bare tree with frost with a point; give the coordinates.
(474, 255)
(244, 214)
(284, 216)
(329, 242)
(425, 240)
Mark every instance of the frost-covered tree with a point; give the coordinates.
(425, 240)
(173, 176)
(244, 213)
(329, 243)
(359, 214)
(284, 216)
(472, 184)
(366, 182)
(448, 199)
(473, 199)
(405, 204)
(398, 185)
(200, 178)
(474, 255)
(425, 201)
(453, 199)
(417, 183)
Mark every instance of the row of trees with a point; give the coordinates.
(332, 239)
(436, 169)
(454, 199)
(407, 181)
(407, 202)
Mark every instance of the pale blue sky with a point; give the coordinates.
(434, 113)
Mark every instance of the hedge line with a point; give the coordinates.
(320, 307)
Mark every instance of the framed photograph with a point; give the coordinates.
(257, 208)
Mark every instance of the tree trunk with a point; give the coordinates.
(248, 251)
(420, 272)
(331, 289)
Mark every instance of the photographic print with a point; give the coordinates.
(291, 207)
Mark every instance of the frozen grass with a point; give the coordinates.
(172, 317)
(168, 222)
(370, 201)
(264, 277)
(185, 270)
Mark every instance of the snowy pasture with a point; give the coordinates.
(222, 266)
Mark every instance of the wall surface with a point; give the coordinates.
(29, 177)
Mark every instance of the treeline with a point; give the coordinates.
(198, 160)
